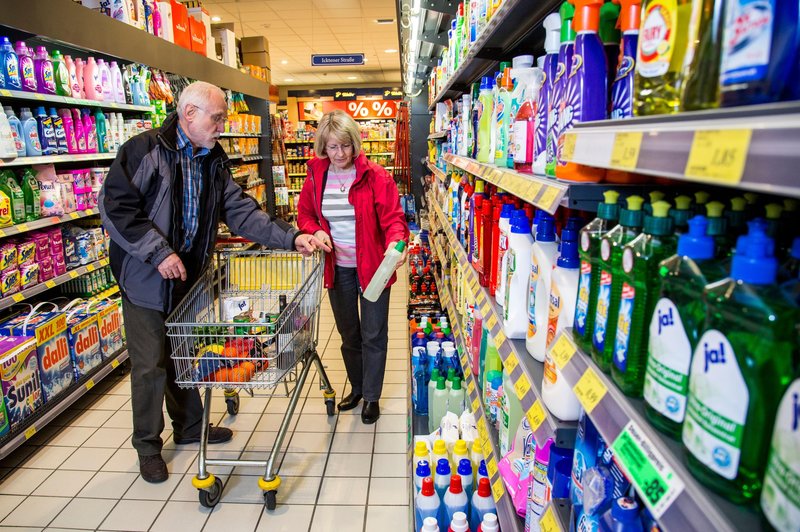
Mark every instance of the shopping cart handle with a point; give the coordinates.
(233, 240)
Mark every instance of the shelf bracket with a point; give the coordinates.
(439, 39)
(427, 61)
(447, 7)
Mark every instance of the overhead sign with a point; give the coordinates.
(337, 59)
(358, 109)
(344, 95)
(392, 94)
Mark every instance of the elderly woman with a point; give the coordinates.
(352, 203)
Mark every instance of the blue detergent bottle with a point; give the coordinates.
(420, 385)
(47, 135)
(30, 132)
(9, 65)
(622, 87)
(16, 131)
(622, 517)
(426, 504)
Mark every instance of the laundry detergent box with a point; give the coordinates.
(83, 334)
(20, 380)
(109, 320)
(52, 348)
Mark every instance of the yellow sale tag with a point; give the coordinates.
(522, 386)
(626, 150)
(491, 467)
(90, 384)
(491, 321)
(481, 423)
(114, 105)
(497, 490)
(486, 445)
(104, 262)
(74, 215)
(499, 338)
(2, 233)
(548, 523)
(510, 363)
(719, 155)
(562, 351)
(5, 92)
(536, 415)
(589, 390)
(486, 308)
(548, 197)
(475, 404)
(480, 298)
(471, 386)
(30, 432)
(18, 297)
(533, 191)
(90, 267)
(23, 227)
(39, 96)
(73, 274)
(568, 150)
(50, 283)
(115, 363)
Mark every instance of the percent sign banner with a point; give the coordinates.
(358, 109)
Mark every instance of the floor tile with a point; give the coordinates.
(271, 422)
(392, 422)
(391, 442)
(350, 423)
(298, 490)
(177, 515)
(85, 514)
(108, 438)
(388, 491)
(379, 516)
(310, 442)
(396, 407)
(124, 460)
(338, 519)
(108, 485)
(286, 518)
(143, 490)
(263, 441)
(242, 489)
(87, 459)
(252, 405)
(395, 377)
(109, 402)
(299, 464)
(352, 442)
(23, 481)
(241, 422)
(343, 491)
(348, 465)
(64, 483)
(8, 503)
(186, 492)
(132, 515)
(395, 390)
(179, 461)
(36, 511)
(238, 517)
(316, 423)
(91, 418)
(48, 457)
(390, 465)
(121, 419)
(72, 436)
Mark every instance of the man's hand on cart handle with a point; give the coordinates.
(307, 244)
(172, 268)
(402, 257)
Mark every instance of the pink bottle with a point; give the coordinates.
(80, 135)
(73, 76)
(92, 86)
(105, 81)
(45, 78)
(26, 70)
(158, 29)
(90, 130)
(69, 130)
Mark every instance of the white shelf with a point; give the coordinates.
(13, 299)
(45, 222)
(241, 135)
(47, 159)
(78, 102)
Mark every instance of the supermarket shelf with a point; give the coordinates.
(752, 147)
(45, 222)
(377, 140)
(47, 159)
(301, 174)
(106, 293)
(80, 102)
(685, 503)
(439, 135)
(47, 285)
(242, 135)
(299, 158)
(381, 153)
(299, 141)
(525, 372)
(234, 156)
(53, 408)
(556, 515)
(436, 171)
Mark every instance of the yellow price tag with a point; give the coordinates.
(50, 284)
(562, 351)
(481, 424)
(498, 490)
(2, 233)
(625, 153)
(18, 297)
(104, 262)
(548, 197)
(548, 523)
(719, 155)
(114, 105)
(115, 363)
(471, 386)
(486, 446)
(5, 92)
(23, 227)
(491, 467)
(499, 338)
(90, 384)
(475, 404)
(568, 149)
(73, 274)
(481, 297)
(510, 363)
(30, 432)
(74, 215)
(533, 190)
(522, 386)
(491, 321)
(589, 390)
(39, 96)
(90, 267)
(486, 308)
(536, 415)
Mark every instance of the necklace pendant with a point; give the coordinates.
(341, 187)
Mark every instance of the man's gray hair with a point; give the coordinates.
(197, 94)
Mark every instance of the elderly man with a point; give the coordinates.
(161, 203)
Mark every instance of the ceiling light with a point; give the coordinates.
(216, 19)
(352, 77)
(284, 62)
(390, 51)
(384, 21)
(289, 79)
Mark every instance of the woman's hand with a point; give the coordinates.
(323, 237)
(402, 257)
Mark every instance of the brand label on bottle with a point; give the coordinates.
(624, 319)
(780, 497)
(717, 406)
(666, 383)
(520, 140)
(28, 77)
(532, 297)
(657, 38)
(747, 40)
(553, 312)
(540, 140)
(601, 317)
(622, 89)
(12, 72)
(19, 145)
(48, 78)
(553, 112)
(627, 260)
(34, 138)
(605, 249)
(550, 375)
(511, 267)
(582, 304)
(570, 107)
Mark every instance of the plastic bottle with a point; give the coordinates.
(778, 501)
(106, 81)
(438, 405)
(90, 130)
(421, 454)
(465, 472)
(475, 223)
(737, 216)
(9, 62)
(455, 398)
(485, 106)
(426, 504)
(552, 27)
(420, 385)
(622, 88)
(439, 451)
(543, 258)
(102, 132)
(422, 471)
(502, 112)
(703, 55)
(9, 187)
(459, 522)
(33, 201)
(536, 490)
(659, 61)
(609, 31)
(30, 132)
(441, 483)
(47, 135)
(609, 290)
(61, 74)
(718, 230)
(27, 72)
(681, 213)
(489, 523)
(641, 284)
(758, 48)
(503, 230)
(16, 131)
(518, 260)
(521, 71)
(58, 129)
(742, 365)
(385, 270)
(430, 524)
(565, 51)
(623, 516)
(72, 74)
(557, 394)
(92, 85)
(482, 503)
(510, 414)
(586, 96)
(675, 327)
(476, 456)
(80, 134)
(77, 85)
(117, 83)
(43, 69)
(455, 500)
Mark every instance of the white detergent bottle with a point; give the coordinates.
(518, 267)
(482, 503)
(543, 258)
(455, 500)
(426, 505)
(455, 399)
(459, 522)
(429, 525)
(489, 523)
(439, 453)
(557, 394)
(504, 228)
(384, 272)
(439, 405)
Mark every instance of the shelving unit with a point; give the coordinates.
(13, 299)
(49, 159)
(76, 102)
(45, 222)
(438, 135)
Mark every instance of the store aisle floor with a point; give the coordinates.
(81, 472)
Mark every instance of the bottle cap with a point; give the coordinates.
(655, 195)
(400, 246)
(435, 374)
(567, 13)
(477, 449)
(464, 467)
(562, 479)
(457, 386)
(552, 28)
(756, 265)
(522, 61)
(574, 223)
(427, 487)
(520, 223)
(440, 383)
(683, 202)
(625, 509)
(451, 374)
(420, 449)
(485, 83)
(609, 15)
(489, 523)
(484, 488)
(587, 15)
(630, 15)
(507, 210)
(429, 524)
(443, 467)
(423, 468)
(717, 225)
(569, 250)
(455, 484)
(479, 187)
(439, 447)
(774, 211)
(701, 197)
(609, 210)
(632, 216)
(659, 223)
(540, 61)
(459, 522)
(483, 471)
(546, 228)
(696, 244)
(738, 204)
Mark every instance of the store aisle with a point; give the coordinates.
(338, 474)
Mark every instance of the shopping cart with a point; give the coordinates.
(216, 345)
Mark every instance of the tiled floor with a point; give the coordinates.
(81, 472)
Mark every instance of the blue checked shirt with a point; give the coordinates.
(192, 166)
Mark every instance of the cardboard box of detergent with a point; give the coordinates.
(83, 334)
(109, 319)
(52, 348)
(20, 380)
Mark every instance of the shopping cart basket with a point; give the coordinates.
(249, 324)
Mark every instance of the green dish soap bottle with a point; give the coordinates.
(33, 201)
(678, 320)
(718, 230)
(9, 185)
(703, 56)
(609, 288)
(700, 200)
(641, 285)
(681, 213)
(737, 217)
(742, 365)
(589, 281)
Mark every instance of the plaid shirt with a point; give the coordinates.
(192, 165)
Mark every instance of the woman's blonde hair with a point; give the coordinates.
(340, 126)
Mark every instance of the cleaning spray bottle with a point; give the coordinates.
(743, 363)
(703, 56)
(503, 228)
(609, 290)
(485, 108)
(543, 258)
(502, 112)
(610, 36)
(641, 285)
(586, 96)
(565, 51)
(552, 28)
(523, 131)
(681, 213)
(675, 327)
(622, 89)
(518, 261)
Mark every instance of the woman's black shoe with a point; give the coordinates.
(370, 413)
(349, 402)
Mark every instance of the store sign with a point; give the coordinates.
(341, 96)
(391, 94)
(358, 109)
(337, 59)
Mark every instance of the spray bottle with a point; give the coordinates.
(502, 118)
(565, 51)
(622, 89)
(523, 134)
(485, 108)
(552, 27)
(610, 36)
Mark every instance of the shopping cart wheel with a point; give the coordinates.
(233, 404)
(210, 497)
(329, 406)
(271, 499)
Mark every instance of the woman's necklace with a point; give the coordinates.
(342, 179)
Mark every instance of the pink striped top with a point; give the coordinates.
(341, 216)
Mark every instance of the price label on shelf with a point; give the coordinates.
(39, 96)
(473, 282)
(498, 490)
(30, 432)
(719, 155)
(90, 384)
(475, 404)
(548, 523)
(23, 227)
(533, 191)
(73, 274)
(2, 233)
(114, 105)
(491, 467)
(562, 351)
(486, 308)
(499, 338)
(115, 363)
(548, 198)
(522, 386)
(90, 267)
(536, 415)
(18, 297)
(589, 390)
(481, 297)
(491, 321)
(568, 150)
(656, 482)
(50, 284)
(510, 363)
(486, 446)
(625, 153)
(471, 385)
(74, 215)
(5, 92)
